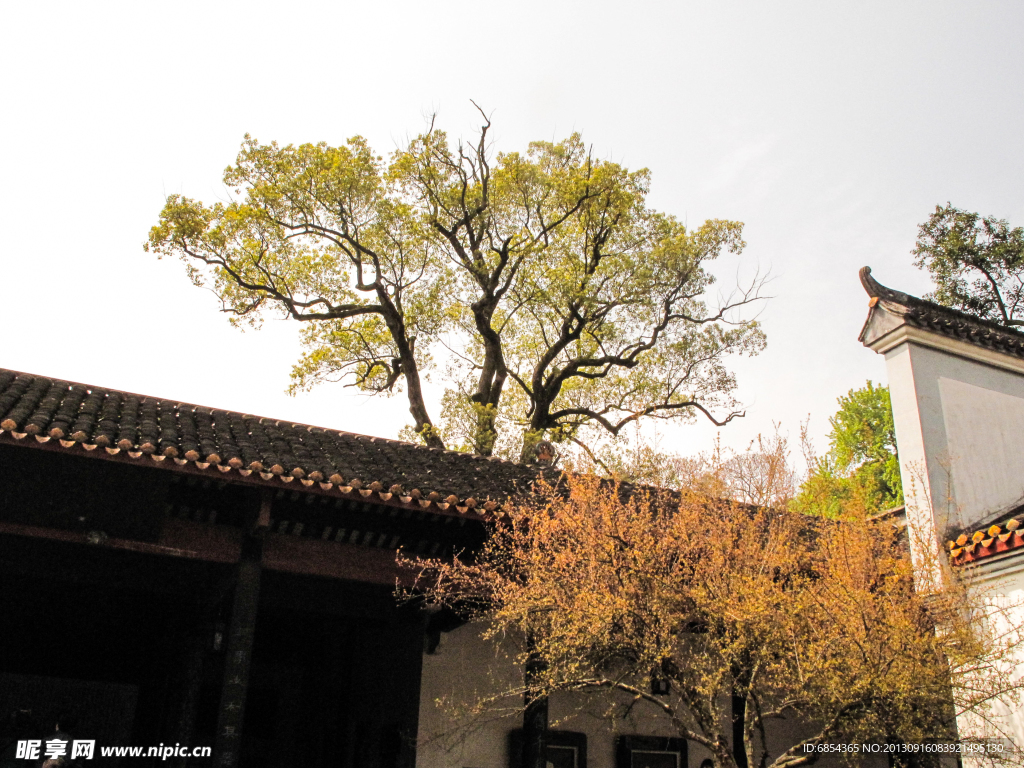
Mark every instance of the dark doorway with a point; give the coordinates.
(334, 679)
(99, 635)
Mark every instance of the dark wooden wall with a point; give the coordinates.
(122, 576)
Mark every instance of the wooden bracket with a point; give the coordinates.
(262, 524)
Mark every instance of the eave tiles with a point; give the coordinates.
(930, 316)
(994, 540)
(165, 433)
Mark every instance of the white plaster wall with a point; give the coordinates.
(1002, 586)
(915, 421)
(465, 665)
(985, 434)
(960, 430)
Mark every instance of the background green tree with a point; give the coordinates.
(563, 305)
(977, 263)
(861, 467)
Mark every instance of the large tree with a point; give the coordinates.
(560, 300)
(742, 615)
(977, 263)
(862, 464)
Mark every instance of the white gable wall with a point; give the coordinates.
(958, 410)
(960, 430)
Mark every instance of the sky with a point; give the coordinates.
(830, 129)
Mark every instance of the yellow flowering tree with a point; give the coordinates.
(743, 615)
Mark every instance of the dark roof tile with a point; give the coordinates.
(110, 413)
(258, 448)
(22, 411)
(945, 320)
(88, 415)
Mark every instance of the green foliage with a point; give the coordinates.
(861, 469)
(316, 236)
(977, 263)
(565, 304)
(863, 441)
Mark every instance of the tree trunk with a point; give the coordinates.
(491, 381)
(417, 406)
(739, 741)
(539, 422)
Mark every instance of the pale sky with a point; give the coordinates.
(832, 129)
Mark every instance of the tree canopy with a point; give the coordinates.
(555, 300)
(977, 263)
(738, 612)
(862, 464)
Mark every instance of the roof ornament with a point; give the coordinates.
(879, 292)
(902, 308)
(545, 453)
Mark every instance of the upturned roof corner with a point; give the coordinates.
(878, 291)
(887, 310)
(891, 310)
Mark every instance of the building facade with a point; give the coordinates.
(174, 574)
(957, 389)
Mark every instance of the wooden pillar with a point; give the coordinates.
(245, 605)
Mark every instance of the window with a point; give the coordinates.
(651, 752)
(566, 749)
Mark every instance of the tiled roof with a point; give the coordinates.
(994, 540)
(95, 421)
(949, 322)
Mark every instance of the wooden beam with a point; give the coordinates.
(223, 544)
(314, 557)
(217, 550)
(262, 524)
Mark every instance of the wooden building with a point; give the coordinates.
(185, 575)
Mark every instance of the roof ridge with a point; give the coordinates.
(247, 415)
(875, 289)
(186, 403)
